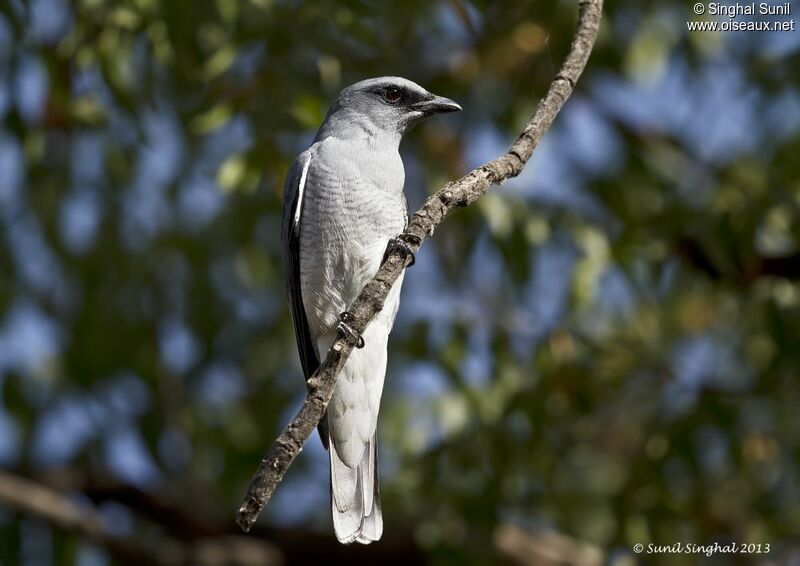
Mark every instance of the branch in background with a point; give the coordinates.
(538, 547)
(455, 194)
(63, 512)
(786, 266)
(68, 514)
(186, 512)
(200, 534)
(750, 267)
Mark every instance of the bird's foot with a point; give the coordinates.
(345, 320)
(400, 243)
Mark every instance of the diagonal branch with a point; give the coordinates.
(62, 509)
(455, 194)
(66, 513)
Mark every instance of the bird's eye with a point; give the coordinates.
(392, 95)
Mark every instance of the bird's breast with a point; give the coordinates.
(352, 207)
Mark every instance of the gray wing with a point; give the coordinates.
(293, 194)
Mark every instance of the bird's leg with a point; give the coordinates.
(400, 243)
(345, 320)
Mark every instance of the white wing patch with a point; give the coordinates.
(300, 189)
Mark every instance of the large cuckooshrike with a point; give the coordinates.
(343, 202)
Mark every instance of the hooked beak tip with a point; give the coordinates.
(443, 105)
(439, 105)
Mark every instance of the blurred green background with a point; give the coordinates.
(605, 351)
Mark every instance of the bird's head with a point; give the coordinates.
(394, 104)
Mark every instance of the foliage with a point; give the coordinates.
(607, 346)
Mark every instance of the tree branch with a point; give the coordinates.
(65, 513)
(747, 266)
(540, 547)
(184, 513)
(455, 194)
(69, 514)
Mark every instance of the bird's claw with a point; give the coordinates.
(400, 244)
(345, 320)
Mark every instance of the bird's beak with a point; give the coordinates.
(437, 105)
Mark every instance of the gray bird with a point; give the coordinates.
(343, 202)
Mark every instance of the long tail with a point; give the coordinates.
(355, 501)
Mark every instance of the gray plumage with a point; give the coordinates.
(343, 202)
